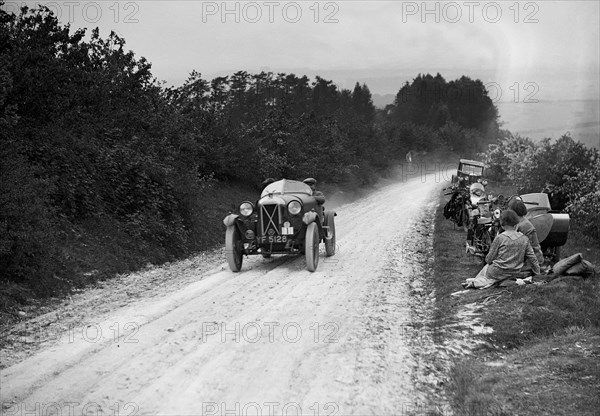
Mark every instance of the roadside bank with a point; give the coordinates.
(537, 350)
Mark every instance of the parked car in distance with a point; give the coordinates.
(469, 172)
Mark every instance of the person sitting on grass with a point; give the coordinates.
(507, 256)
(526, 227)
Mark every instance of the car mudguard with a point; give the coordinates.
(309, 217)
(230, 219)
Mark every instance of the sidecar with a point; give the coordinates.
(552, 227)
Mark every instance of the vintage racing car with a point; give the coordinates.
(287, 219)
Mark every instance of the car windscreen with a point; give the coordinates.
(471, 170)
(286, 187)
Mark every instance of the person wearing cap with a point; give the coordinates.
(267, 182)
(312, 182)
(526, 227)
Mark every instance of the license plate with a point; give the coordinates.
(274, 239)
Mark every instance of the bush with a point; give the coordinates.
(567, 170)
(583, 190)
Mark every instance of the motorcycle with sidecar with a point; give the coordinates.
(552, 227)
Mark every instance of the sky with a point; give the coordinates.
(524, 51)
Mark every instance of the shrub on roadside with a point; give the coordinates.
(567, 169)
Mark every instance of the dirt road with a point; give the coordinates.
(273, 339)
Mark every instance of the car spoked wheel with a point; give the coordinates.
(311, 245)
(233, 248)
(330, 237)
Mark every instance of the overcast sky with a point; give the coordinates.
(546, 50)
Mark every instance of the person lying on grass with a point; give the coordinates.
(507, 256)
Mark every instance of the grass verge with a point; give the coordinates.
(543, 356)
(100, 250)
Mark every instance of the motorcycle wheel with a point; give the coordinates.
(464, 213)
(483, 240)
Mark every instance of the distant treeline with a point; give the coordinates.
(91, 140)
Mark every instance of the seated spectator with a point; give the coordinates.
(526, 227)
(507, 256)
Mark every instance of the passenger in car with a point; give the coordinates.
(267, 182)
(312, 182)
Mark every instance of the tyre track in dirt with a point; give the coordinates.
(185, 363)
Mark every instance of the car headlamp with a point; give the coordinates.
(294, 207)
(246, 209)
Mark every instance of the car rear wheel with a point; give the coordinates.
(311, 245)
(233, 248)
(330, 237)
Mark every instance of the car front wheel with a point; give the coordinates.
(233, 248)
(311, 247)
(330, 237)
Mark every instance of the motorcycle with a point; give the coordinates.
(456, 209)
(484, 225)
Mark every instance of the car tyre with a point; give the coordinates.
(311, 245)
(330, 237)
(233, 248)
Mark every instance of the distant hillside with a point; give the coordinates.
(581, 118)
(380, 101)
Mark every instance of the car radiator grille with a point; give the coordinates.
(270, 219)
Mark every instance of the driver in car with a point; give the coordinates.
(312, 182)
